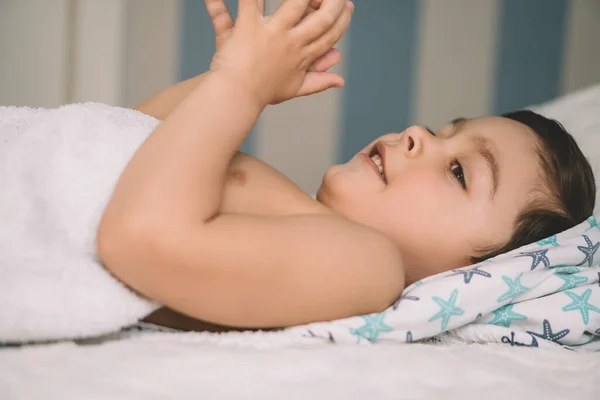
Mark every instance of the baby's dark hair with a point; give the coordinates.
(568, 196)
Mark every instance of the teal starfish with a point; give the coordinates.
(551, 241)
(571, 281)
(593, 223)
(564, 269)
(589, 251)
(515, 288)
(505, 315)
(373, 326)
(448, 309)
(581, 304)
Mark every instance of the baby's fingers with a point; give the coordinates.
(315, 82)
(326, 61)
(321, 21)
(220, 16)
(333, 35)
(290, 13)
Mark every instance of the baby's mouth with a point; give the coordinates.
(376, 155)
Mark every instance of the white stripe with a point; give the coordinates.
(152, 31)
(125, 50)
(34, 46)
(299, 137)
(99, 51)
(582, 52)
(455, 62)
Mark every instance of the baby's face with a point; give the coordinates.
(440, 197)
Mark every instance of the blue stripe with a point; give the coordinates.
(380, 71)
(197, 46)
(530, 52)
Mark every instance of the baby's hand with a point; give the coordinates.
(271, 58)
(223, 24)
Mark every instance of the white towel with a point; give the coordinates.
(57, 169)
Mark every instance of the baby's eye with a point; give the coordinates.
(457, 171)
(430, 130)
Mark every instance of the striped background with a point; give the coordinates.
(405, 62)
(411, 61)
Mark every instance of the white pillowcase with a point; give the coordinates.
(579, 112)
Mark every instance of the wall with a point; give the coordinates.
(405, 62)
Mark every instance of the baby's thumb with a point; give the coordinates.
(315, 82)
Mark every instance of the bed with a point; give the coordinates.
(165, 364)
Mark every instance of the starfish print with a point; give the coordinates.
(597, 332)
(468, 273)
(548, 334)
(329, 338)
(598, 278)
(563, 269)
(581, 304)
(511, 340)
(551, 241)
(409, 337)
(571, 281)
(589, 251)
(515, 288)
(539, 256)
(593, 223)
(373, 326)
(505, 315)
(404, 297)
(448, 309)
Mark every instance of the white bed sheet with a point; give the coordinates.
(159, 368)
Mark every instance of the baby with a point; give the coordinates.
(222, 237)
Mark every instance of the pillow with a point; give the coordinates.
(579, 112)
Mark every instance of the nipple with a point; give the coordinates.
(236, 177)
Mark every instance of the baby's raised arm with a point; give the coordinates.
(161, 233)
(161, 104)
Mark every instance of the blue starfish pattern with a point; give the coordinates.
(409, 337)
(598, 278)
(548, 334)
(593, 223)
(448, 309)
(515, 288)
(511, 340)
(597, 332)
(468, 273)
(538, 256)
(404, 297)
(373, 326)
(571, 281)
(581, 304)
(551, 241)
(589, 251)
(505, 315)
(329, 338)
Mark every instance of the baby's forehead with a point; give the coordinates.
(504, 133)
(516, 147)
